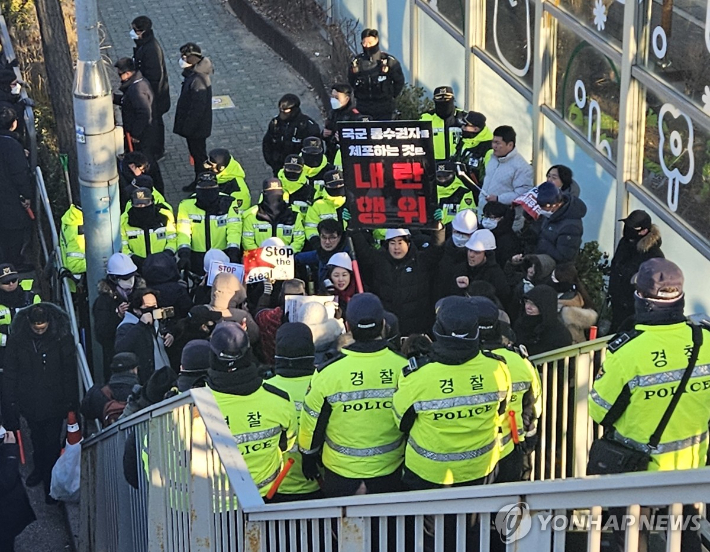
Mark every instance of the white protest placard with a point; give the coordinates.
(217, 267)
(293, 304)
(269, 263)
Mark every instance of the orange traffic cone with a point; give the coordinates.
(73, 432)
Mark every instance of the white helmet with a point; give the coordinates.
(465, 222)
(342, 260)
(481, 240)
(214, 255)
(274, 241)
(120, 264)
(396, 233)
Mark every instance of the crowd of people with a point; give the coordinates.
(414, 374)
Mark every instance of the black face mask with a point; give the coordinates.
(336, 192)
(371, 50)
(292, 176)
(207, 199)
(444, 109)
(142, 217)
(631, 233)
(444, 180)
(469, 133)
(312, 159)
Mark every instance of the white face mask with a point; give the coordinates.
(16, 89)
(545, 213)
(133, 34)
(126, 284)
(184, 64)
(335, 103)
(489, 223)
(459, 239)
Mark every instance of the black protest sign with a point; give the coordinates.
(390, 173)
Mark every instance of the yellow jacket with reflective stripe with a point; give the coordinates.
(324, 208)
(257, 423)
(225, 230)
(454, 198)
(255, 231)
(646, 365)
(7, 313)
(295, 482)
(437, 127)
(455, 417)
(133, 239)
(72, 242)
(352, 397)
(232, 180)
(525, 400)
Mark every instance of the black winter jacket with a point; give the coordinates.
(561, 234)
(193, 113)
(161, 274)
(137, 107)
(40, 379)
(15, 510)
(133, 336)
(106, 320)
(15, 181)
(489, 272)
(405, 286)
(283, 138)
(544, 332)
(121, 385)
(150, 61)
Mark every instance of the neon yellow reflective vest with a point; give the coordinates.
(7, 313)
(72, 242)
(257, 423)
(136, 241)
(476, 152)
(295, 482)
(256, 231)
(437, 126)
(525, 399)
(232, 181)
(194, 227)
(324, 208)
(453, 415)
(352, 398)
(295, 194)
(454, 198)
(645, 365)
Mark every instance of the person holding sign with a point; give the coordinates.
(147, 228)
(272, 217)
(207, 219)
(329, 206)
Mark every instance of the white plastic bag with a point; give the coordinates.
(66, 475)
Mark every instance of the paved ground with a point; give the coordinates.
(251, 74)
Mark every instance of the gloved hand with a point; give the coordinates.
(234, 254)
(346, 214)
(438, 215)
(310, 467)
(268, 287)
(183, 259)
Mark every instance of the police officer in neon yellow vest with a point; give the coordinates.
(445, 122)
(452, 194)
(230, 177)
(347, 412)
(261, 417)
(14, 295)
(295, 354)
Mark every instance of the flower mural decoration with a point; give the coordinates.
(599, 15)
(517, 71)
(669, 119)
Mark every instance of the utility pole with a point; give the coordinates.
(97, 144)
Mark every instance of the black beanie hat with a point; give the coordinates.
(195, 356)
(123, 362)
(488, 323)
(294, 347)
(159, 383)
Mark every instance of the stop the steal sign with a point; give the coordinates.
(269, 263)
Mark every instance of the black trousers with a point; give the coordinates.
(46, 446)
(159, 136)
(198, 151)
(337, 485)
(13, 241)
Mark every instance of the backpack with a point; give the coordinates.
(112, 409)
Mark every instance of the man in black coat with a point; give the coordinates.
(641, 241)
(286, 132)
(193, 113)
(560, 228)
(136, 109)
(40, 383)
(124, 377)
(342, 109)
(16, 191)
(15, 509)
(150, 61)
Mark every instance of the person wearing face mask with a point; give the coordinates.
(207, 219)
(193, 113)
(133, 165)
(330, 205)
(474, 150)
(446, 121)
(40, 384)
(539, 328)
(161, 274)
(560, 228)
(286, 132)
(197, 325)
(315, 164)
(464, 224)
(10, 89)
(640, 241)
(376, 77)
(297, 190)
(137, 102)
(230, 177)
(146, 182)
(273, 217)
(111, 304)
(342, 108)
(481, 265)
(498, 218)
(150, 61)
(147, 228)
(453, 196)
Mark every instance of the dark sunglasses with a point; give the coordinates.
(13, 281)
